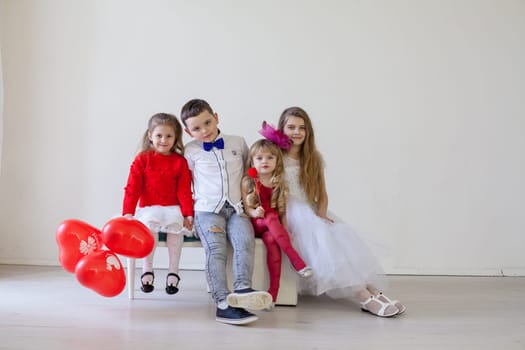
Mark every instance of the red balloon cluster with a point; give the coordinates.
(81, 251)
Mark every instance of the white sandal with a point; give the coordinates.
(402, 308)
(381, 312)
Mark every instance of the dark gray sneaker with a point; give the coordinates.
(248, 298)
(234, 315)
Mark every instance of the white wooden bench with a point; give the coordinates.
(260, 279)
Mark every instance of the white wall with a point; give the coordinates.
(419, 109)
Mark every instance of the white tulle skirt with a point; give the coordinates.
(341, 261)
(159, 218)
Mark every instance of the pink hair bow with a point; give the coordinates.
(274, 135)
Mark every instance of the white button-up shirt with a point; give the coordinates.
(217, 174)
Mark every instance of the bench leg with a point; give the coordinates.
(131, 278)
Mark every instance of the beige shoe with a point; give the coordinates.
(249, 299)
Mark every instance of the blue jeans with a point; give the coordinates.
(215, 230)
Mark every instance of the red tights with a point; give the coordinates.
(275, 238)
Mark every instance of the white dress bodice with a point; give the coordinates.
(291, 174)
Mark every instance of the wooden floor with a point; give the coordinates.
(46, 308)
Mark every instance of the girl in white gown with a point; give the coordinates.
(344, 266)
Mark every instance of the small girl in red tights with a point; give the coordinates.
(264, 193)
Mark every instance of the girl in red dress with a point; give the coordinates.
(264, 197)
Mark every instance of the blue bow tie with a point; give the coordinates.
(219, 144)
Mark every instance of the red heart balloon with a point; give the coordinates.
(128, 237)
(75, 240)
(102, 272)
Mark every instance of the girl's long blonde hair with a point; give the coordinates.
(311, 173)
(163, 119)
(279, 187)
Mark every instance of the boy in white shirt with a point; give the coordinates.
(217, 162)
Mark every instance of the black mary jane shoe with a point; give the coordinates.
(170, 288)
(146, 287)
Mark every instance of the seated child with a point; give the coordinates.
(264, 195)
(160, 182)
(217, 162)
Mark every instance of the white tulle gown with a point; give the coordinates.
(341, 261)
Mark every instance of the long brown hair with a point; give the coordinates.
(164, 119)
(279, 187)
(311, 173)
